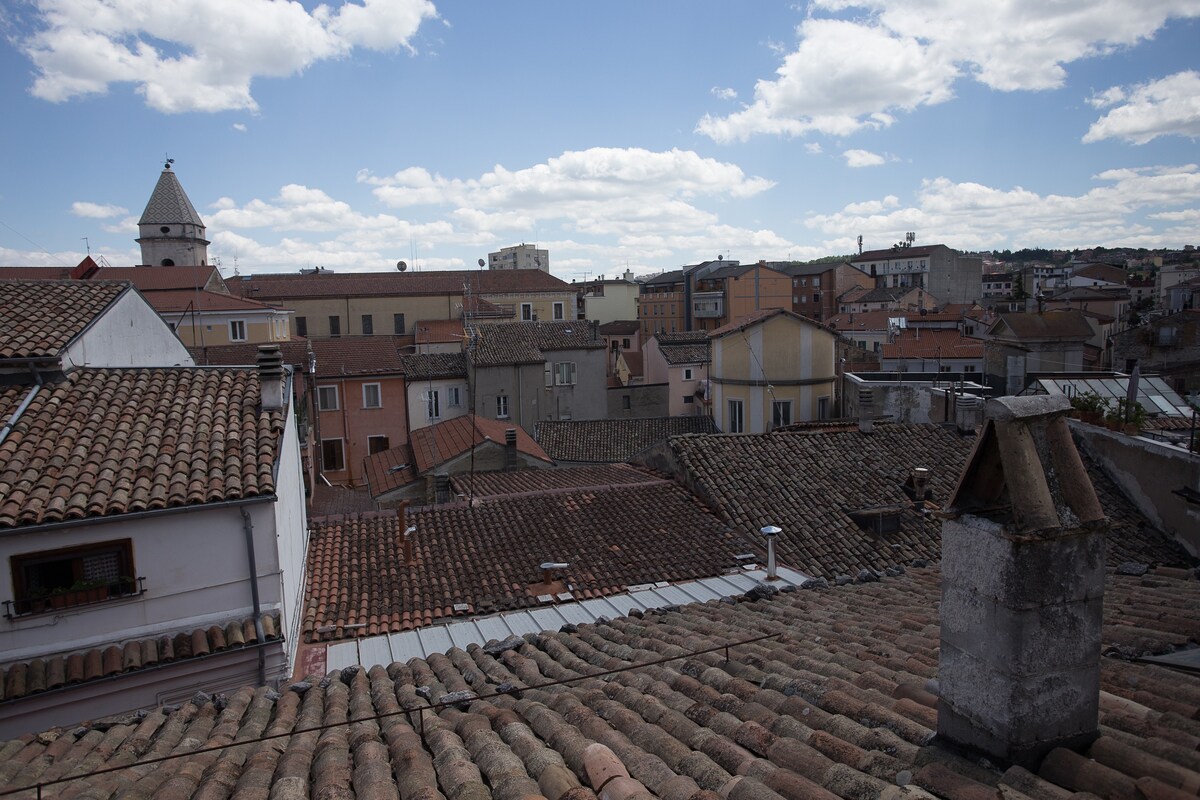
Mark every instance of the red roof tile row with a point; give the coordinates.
(103, 442)
(40, 318)
(328, 284)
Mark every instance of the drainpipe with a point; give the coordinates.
(16, 415)
(248, 528)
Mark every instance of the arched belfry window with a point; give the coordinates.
(167, 262)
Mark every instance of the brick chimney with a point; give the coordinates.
(270, 377)
(1022, 589)
(866, 410)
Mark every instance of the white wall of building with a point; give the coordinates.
(130, 333)
(418, 407)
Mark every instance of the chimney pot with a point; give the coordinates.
(771, 531)
(270, 376)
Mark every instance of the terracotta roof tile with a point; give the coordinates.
(434, 445)
(834, 706)
(432, 366)
(486, 554)
(1066, 324)
(329, 284)
(357, 355)
(439, 331)
(620, 327)
(154, 279)
(112, 441)
(742, 323)
(612, 440)
(932, 344)
(176, 300)
(489, 484)
(43, 317)
(832, 491)
(19, 680)
(526, 342)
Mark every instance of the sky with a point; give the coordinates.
(617, 135)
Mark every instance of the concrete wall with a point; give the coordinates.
(129, 334)
(618, 302)
(522, 384)
(349, 310)
(645, 400)
(1149, 473)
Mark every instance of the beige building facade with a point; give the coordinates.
(773, 369)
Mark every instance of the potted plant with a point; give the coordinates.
(1125, 416)
(1090, 407)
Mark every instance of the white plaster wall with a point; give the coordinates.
(196, 571)
(290, 529)
(129, 334)
(618, 303)
(417, 416)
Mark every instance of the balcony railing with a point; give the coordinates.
(75, 597)
(708, 305)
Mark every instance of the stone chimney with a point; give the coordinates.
(1022, 589)
(270, 377)
(510, 449)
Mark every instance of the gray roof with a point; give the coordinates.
(600, 441)
(169, 204)
(526, 342)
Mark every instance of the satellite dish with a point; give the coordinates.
(720, 257)
(481, 263)
(400, 265)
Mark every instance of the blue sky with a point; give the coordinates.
(647, 135)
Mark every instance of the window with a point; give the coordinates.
(564, 373)
(615, 345)
(823, 407)
(626, 402)
(327, 398)
(377, 444)
(398, 324)
(625, 344)
(817, 282)
(687, 373)
(526, 312)
(558, 311)
(237, 330)
(454, 396)
(433, 408)
(335, 326)
(688, 399)
(781, 413)
(302, 326)
(332, 458)
(737, 422)
(74, 576)
(372, 395)
(502, 406)
(368, 325)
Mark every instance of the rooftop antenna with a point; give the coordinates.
(87, 245)
(860, 244)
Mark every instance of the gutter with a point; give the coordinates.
(248, 528)
(16, 415)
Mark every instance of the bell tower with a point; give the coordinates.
(170, 231)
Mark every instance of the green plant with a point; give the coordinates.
(1089, 404)
(1124, 412)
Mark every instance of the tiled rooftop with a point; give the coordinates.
(439, 331)
(830, 490)
(1068, 324)
(684, 347)
(837, 704)
(434, 445)
(295, 353)
(620, 327)
(602, 441)
(490, 484)
(932, 344)
(104, 442)
(432, 366)
(176, 300)
(154, 279)
(329, 284)
(484, 556)
(357, 355)
(26, 678)
(754, 318)
(526, 342)
(40, 318)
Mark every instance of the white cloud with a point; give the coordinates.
(96, 210)
(862, 158)
(845, 75)
(600, 191)
(723, 93)
(814, 148)
(201, 55)
(240, 127)
(1166, 107)
(974, 216)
